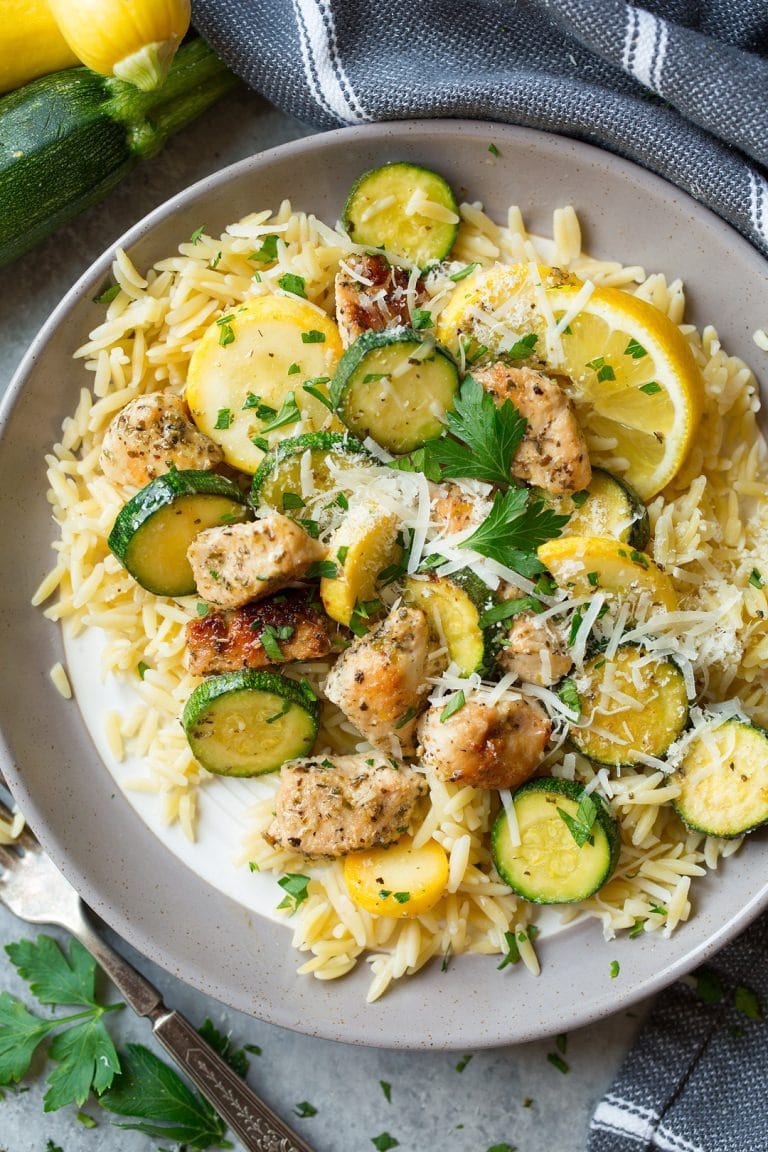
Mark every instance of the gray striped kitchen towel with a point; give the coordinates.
(680, 86)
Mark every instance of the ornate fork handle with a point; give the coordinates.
(253, 1121)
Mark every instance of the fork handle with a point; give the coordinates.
(260, 1129)
(253, 1121)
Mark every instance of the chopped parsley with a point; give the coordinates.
(601, 369)
(255, 404)
(215, 261)
(202, 609)
(268, 250)
(401, 897)
(406, 718)
(615, 969)
(462, 273)
(226, 333)
(311, 388)
(557, 1061)
(454, 705)
(594, 578)
(295, 886)
(524, 347)
(755, 579)
(142, 669)
(313, 337)
(651, 388)
(108, 295)
(294, 370)
(747, 1002)
(372, 377)
(224, 419)
(305, 1109)
(289, 413)
(493, 150)
(580, 498)
(342, 553)
(384, 1142)
(464, 1061)
(512, 954)
(197, 235)
(270, 641)
(508, 609)
(635, 350)
(580, 826)
(322, 568)
(639, 558)
(421, 318)
(386, 1088)
(569, 694)
(292, 501)
(293, 284)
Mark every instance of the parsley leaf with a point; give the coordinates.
(580, 826)
(384, 1142)
(489, 435)
(464, 1061)
(523, 348)
(53, 976)
(454, 705)
(305, 1109)
(386, 1088)
(221, 1043)
(569, 694)
(313, 336)
(421, 318)
(86, 1059)
(557, 1062)
(513, 530)
(151, 1091)
(651, 388)
(295, 885)
(747, 1001)
(20, 1034)
(615, 969)
(293, 284)
(268, 250)
(263, 411)
(509, 608)
(512, 955)
(289, 413)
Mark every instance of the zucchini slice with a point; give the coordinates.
(245, 377)
(153, 530)
(396, 387)
(608, 506)
(246, 723)
(616, 730)
(581, 564)
(408, 210)
(280, 472)
(549, 866)
(454, 605)
(724, 780)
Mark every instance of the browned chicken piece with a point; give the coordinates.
(229, 640)
(484, 745)
(375, 302)
(341, 804)
(380, 682)
(535, 651)
(553, 454)
(453, 509)
(152, 434)
(240, 562)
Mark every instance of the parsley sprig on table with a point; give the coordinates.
(134, 1083)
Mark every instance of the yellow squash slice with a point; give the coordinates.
(586, 564)
(362, 546)
(253, 361)
(400, 881)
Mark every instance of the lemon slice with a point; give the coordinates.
(635, 384)
(252, 361)
(587, 564)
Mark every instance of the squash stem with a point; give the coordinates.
(196, 79)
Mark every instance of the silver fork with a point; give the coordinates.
(34, 889)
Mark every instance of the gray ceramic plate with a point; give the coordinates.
(124, 872)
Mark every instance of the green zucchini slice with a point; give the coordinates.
(409, 211)
(608, 506)
(246, 723)
(153, 530)
(454, 605)
(613, 733)
(277, 481)
(724, 780)
(549, 865)
(396, 387)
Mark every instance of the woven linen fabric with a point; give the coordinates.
(679, 86)
(695, 1079)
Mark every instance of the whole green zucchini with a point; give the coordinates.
(68, 139)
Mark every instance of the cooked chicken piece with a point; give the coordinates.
(455, 509)
(152, 434)
(241, 562)
(553, 454)
(376, 301)
(380, 682)
(343, 804)
(486, 746)
(226, 641)
(535, 651)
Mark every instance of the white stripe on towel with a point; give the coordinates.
(645, 47)
(326, 78)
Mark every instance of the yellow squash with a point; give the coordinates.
(30, 44)
(135, 40)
